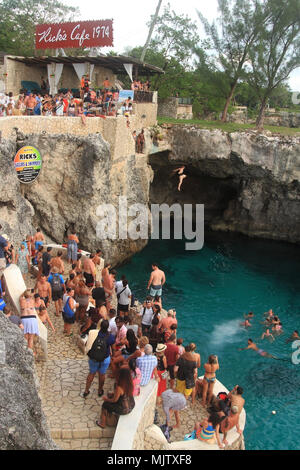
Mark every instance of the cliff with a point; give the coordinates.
(22, 422)
(78, 175)
(248, 182)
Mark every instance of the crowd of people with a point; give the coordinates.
(87, 102)
(134, 345)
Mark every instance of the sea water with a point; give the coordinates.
(211, 290)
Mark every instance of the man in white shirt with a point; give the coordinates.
(147, 314)
(123, 296)
(112, 322)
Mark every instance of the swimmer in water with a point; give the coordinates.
(268, 335)
(293, 337)
(249, 316)
(246, 323)
(278, 328)
(261, 352)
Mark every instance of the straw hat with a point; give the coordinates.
(160, 348)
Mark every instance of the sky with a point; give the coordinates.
(131, 18)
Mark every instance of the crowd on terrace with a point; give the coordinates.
(136, 342)
(86, 102)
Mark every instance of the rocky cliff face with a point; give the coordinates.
(249, 183)
(78, 175)
(22, 422)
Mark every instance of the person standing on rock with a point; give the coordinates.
(58, 263)
(28, 317)
(68, 312)
(156, 281)
(98, 348)
(46, 258)
(109, 280)
(72, 247)
(38, 239)
(89, 271)
(99, 265)
(23, 259)
(43, 288)
(57, 289)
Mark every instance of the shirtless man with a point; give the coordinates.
(108, 279)
(246, 323)
(89, 271)
(236, 399)
(58, 263)
(99, 264)
(38, 239)
(30, 103)
(268, 335)
(253, 346)
(43, 288)
(156, 281)
(229, 422)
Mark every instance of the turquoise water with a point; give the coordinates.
(211, 289)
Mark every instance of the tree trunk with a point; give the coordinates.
(151, 31)
(261, 115)
(228, 101)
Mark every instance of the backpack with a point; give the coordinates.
(119, 295)
(55, 283)
(99, 349)
(69, 313)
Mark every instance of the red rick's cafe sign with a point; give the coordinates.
(74, 35)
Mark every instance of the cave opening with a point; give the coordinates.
(206, 185)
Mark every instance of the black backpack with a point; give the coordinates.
(55, 283)
(98, 350)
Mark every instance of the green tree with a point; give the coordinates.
(18, 19)
(276, 53)
(232, 37)
(175, 39)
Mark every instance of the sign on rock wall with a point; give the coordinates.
(79, 34)
(28, 164)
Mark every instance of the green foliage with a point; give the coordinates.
(231, 38)
(276, 53)
(228, 126)
(19, 17)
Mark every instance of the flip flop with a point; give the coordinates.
(99, 425)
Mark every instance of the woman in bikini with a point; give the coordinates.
(28, 317)
(209, 378)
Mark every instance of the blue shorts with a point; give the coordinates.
(100, 367)
(154, 292)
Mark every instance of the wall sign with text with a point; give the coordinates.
(28, 164)
(79, 34)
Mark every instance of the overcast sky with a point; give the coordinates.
(131, 18)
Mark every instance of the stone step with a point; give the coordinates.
(92, 433)
(84, 444)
